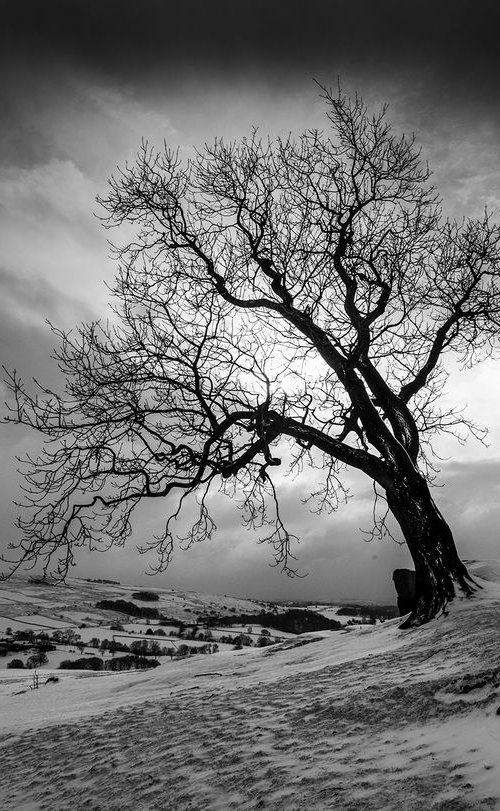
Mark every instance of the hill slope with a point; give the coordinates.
(372, 718)
(76, 599)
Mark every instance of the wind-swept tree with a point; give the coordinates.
(300, 290)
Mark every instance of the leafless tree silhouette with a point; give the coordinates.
(295, 290)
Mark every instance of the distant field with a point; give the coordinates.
(71, 608)
(371, 717)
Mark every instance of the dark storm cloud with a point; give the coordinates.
(133, 41)
(471, 498)
(37, 296)
(26, 341)
(432, 59)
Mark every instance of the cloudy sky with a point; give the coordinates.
(83, 82)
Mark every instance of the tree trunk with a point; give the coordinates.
(438, 568)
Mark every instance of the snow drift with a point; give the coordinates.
(367, 718)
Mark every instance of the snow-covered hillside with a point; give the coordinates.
(74, 601)
(367, 718)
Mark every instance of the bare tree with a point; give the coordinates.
(298, 290)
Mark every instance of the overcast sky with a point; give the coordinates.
(83, 82)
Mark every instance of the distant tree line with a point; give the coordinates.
(126, 607)
(145, 595)
(118, 663)
(102, 580)
(293, 621)
(21, 641)
(375, 612)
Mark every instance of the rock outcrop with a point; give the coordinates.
(404, 582)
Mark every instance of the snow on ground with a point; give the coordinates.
(368, 719)
(33, 622)
(177, 603)
(64, 652)
(330, 612)
(31, 605)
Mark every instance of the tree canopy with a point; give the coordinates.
(304, 290)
